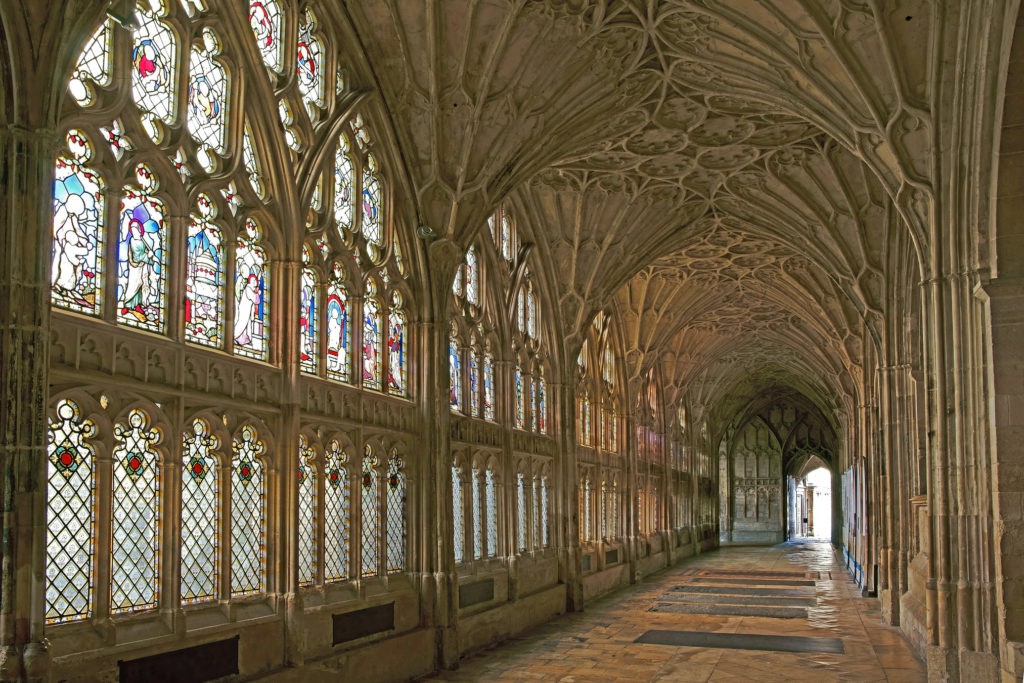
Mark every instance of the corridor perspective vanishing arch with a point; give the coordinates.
(380, 332)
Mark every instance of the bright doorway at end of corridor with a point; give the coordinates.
(810, 502)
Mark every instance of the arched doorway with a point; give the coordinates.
(809, 494)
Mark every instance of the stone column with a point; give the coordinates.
(25, 226)
(567, 499)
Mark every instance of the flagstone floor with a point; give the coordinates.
(816, 606)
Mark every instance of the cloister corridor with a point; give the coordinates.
(788, 612)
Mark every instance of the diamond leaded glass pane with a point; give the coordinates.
(545, 538)
(458, 522)
(70, 524)
(535, 516)
(135, 521)
(492, 513)
(337, 507)
(369, 507)
(200, 520)
(307, 513)
(520, 513)
(478, 516)
(396, 526)
(248, 514)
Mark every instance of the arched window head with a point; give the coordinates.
(472, 278)
(204, 276)
(78, 217)
(504, 235)
(154, 68)
(339, 328)
(265, 19)
(309, 64)
(531, 312)
(141, 255)
(309, 320)
(252, 294)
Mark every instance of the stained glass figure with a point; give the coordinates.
(372, 219)
(309, 63)
(533, 405)
(478, 516)
(307, 513)
(339, 329)
(309, 322)
(252, 164)
(93, 67)
(135, 528)
(541, 409)
(458, 522)
(207, 100)
(520, 399)
(545, 538)
(474, 382)
(248, 514)
(141, 271)
(488, 387)
(337, 513)
(200, 519)
(396, 526)
(472, 278)
(77, 230)
(531, 313)
(520, 512)
(491, 504)
(154, 67)
(204, 277)
(344, 186)
(265, 21)
(359, 131)
(454, 373)
(370, 512)
(119, 143)
(372, 323)
(252, 295)
(396, 348)
(70, 516)
(521, 311)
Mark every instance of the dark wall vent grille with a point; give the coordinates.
(474, 593)
(189, 665)
(363, 622)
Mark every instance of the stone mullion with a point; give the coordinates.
(102, 506)
(224, 503)
(26, 231)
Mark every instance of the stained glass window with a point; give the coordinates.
(458, 522)
(248, 514)
(474, 382)
(584, 421)
(521, 512)
(478, 516)
(141, 265)
(154, 68)
(396, 527)
(491, 504)
(533, 406)
(369, 538)
(521, 311)
(531, 313)
(396, 348)
(251, 161)
(344, 186)
(93, 66)
(135, 523)
(457, 282)
(520, 399)
(309, 323)
(207, 100)
(372, 322)
(265, 21)
(602, 511)
(585, 510)
(309, 63)
(541, 410)
(454, 373)
(535, 516)
(252, 295)
(204, 277)
(200, 521)
(506, 238)
(337, 511)
(488, 387)
(339, 329)
(472, 278)
(372, 225)
(77, 275)
(545, 538)
(70, 521)
(307, 513)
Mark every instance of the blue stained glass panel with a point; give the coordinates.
(77, 275)
(141, 266)
(309, 324)
(397, 351)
